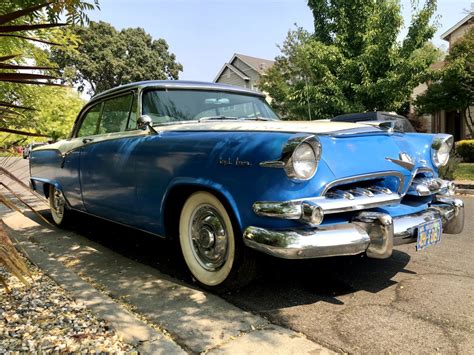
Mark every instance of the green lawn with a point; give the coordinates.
(465, 171)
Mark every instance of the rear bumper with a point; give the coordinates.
(373, 233)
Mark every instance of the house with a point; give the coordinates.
(449, 122)
(458, 30)
(243, 70)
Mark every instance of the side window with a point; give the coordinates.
(90, 121)
(115, 114)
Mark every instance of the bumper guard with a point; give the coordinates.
(374, 233)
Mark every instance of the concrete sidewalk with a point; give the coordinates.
(183, 318)
(465, 187)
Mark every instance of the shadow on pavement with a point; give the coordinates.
(281, 283)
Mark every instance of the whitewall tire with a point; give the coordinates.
(58, 206)
(207, 240)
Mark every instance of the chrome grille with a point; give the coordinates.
(352, 198)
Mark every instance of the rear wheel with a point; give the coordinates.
(58, 207)
(215, 257)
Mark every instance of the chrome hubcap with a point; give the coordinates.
(208, 238)
(58, 203)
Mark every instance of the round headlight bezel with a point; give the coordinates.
(310, 145)
(440, 149)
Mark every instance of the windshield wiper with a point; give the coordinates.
(212, 118)
(259, 118)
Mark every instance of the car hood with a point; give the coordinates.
(315, 127)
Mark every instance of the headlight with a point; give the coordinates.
(304, 160)
(440, 149)
(299, 158)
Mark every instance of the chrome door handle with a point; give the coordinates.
(87, 140)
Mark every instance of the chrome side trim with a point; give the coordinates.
(369, 232)
(272, 164)
(363, 177)
(409, 165)
(285, 210)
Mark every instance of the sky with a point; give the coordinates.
(204, 34)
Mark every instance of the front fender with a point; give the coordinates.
(204, 184)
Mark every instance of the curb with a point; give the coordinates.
(131, 330)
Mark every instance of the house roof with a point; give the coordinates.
(232, 68)
(465, 20)
(257, 64)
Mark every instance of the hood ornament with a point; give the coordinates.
(405, 161)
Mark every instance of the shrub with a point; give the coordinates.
(466, 150)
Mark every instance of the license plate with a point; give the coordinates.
(428, 234)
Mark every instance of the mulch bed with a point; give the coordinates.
(45, 318)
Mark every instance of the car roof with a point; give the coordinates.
(177, 84)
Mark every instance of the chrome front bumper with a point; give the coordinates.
(373, 233)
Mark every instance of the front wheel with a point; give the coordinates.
(58, 207)
(215, 257)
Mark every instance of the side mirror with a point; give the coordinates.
(143, 122)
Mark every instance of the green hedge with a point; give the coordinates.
(466, 150)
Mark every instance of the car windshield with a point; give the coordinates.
(164, 106)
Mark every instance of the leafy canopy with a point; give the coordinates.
(27, 28)
(452, 87)
(106, 58)
(353, 60)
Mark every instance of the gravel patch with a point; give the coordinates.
(46, 318)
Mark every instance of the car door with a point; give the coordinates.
(71, 151)
(107, 167)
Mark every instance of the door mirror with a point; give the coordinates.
(144, 122)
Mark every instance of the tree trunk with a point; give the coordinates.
(468, 120)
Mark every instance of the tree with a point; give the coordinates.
(106, 58)
(20, 22)
(452, 87)
(59, 109)
(353, 60)
(23, 64)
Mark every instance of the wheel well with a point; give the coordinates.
(46, 189)
(175, 201)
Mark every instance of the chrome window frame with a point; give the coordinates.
(144, 89)
(100, 100)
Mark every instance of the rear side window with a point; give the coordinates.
(115, 114)
(90, 122)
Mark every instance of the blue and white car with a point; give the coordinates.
(213, 166)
